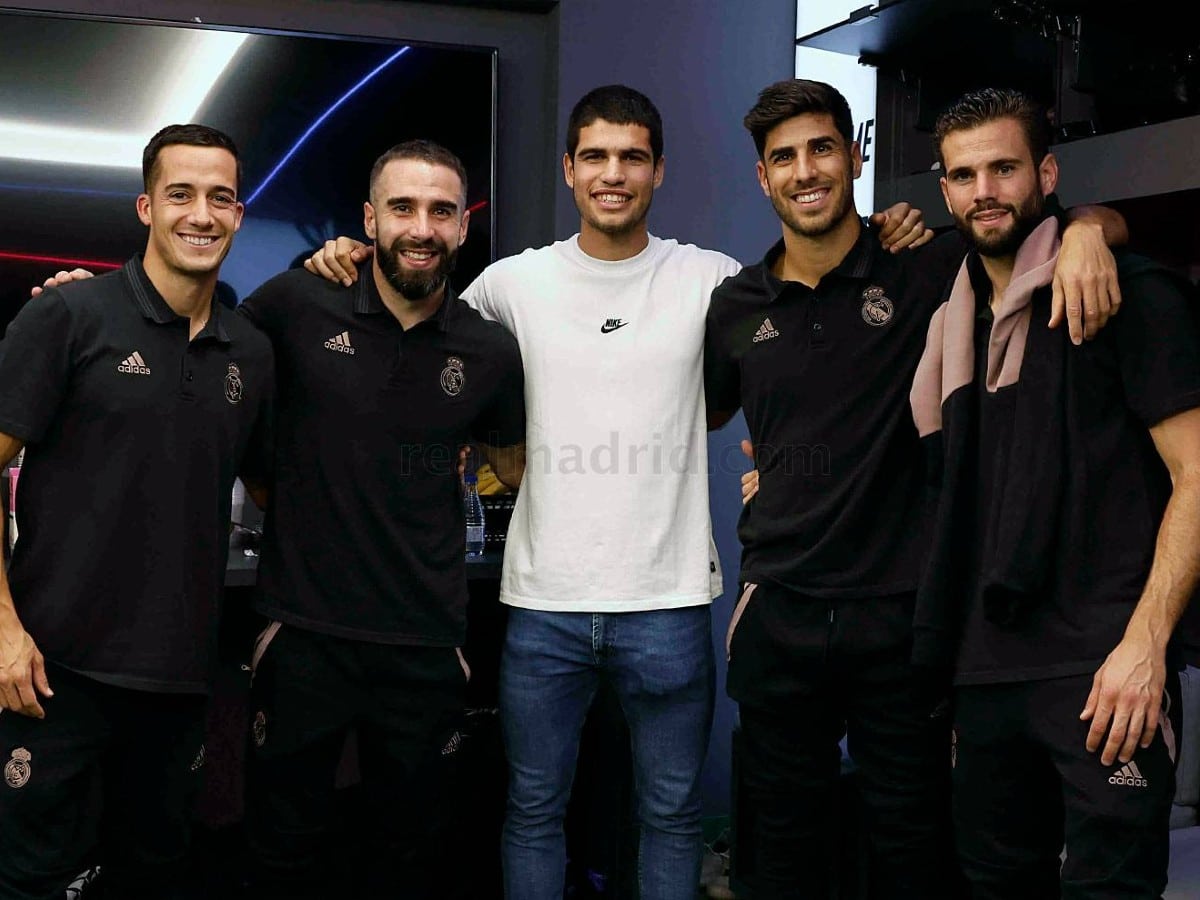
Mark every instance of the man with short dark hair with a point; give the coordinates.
(818, 344)
(138, 399)
(362, 572)
(1064, 551)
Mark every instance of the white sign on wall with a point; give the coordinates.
(855, 82)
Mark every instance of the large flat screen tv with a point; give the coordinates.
(80, 96)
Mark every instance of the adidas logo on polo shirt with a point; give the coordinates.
(134, 365)
(765, 332)
(340, 343)
(1129, 775)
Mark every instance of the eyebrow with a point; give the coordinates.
(791, 148)
(412, 201)
(191, 187)
(624, 151)
(991, 163)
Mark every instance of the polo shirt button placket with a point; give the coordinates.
(817, 331)
(186, 372)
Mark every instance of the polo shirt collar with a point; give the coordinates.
(152, 306)
(856, 264)
(368, 302)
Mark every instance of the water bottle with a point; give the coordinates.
(473, 507)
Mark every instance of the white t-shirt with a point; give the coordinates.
(613, 513)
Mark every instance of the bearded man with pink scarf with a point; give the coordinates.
(1065, 484)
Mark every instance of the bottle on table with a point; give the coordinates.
(473, 508)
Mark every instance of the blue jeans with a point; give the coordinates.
(660, 664)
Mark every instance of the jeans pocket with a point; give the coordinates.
(748, 590)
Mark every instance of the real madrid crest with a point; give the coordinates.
(259, 728)
(17, 770)
(453, 376)
(233, 384)
(877, 308)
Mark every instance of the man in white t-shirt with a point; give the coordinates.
(609, 567)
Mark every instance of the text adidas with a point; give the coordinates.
(134, 365)
(340, 343)
(765, 332)
(1128, 775)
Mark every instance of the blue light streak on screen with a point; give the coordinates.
(321, 118)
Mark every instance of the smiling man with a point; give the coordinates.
(1068, 518)
(363, 571)
(138, 399)
(608, 567)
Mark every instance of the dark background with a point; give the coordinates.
(103, 75)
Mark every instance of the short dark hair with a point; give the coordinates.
(191, 135)
(980, 107)
(425, 151)
(620, 105)
(793, 97)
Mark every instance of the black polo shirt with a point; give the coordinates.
(133, 435)
(365, 537)
(823, 376)
(1142, 368)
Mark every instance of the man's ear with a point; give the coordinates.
(369, 219)
(1048, 174)
(946, 195)
(569, 171)
(143, 208)
(760, 170)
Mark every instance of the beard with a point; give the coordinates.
(415, 285)
(1025, 219)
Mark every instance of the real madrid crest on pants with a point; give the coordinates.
(259, 728)
(18, 770)
(453, 376)
(877, 308)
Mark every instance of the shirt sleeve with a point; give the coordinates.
(941, 258)
(261, 307)
(36, 366)
(257, 461)
(1158, 344)
(485, 295)
(722, 375)
(502, 423)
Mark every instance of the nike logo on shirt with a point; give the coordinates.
(612, 325)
